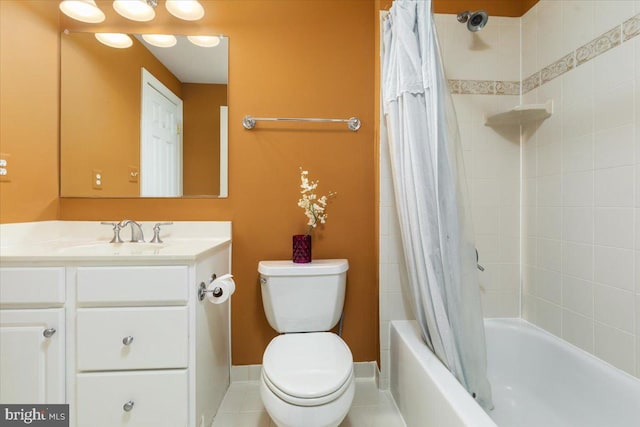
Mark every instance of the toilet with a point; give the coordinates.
(307, 372)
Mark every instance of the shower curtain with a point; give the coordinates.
(431, 196)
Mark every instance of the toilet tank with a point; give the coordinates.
(303, 297)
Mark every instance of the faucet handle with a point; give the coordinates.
(116, 231)
(156, 232)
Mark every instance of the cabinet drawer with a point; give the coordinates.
(117, 286)
(31, 287)
(158, 338)
(159, 399)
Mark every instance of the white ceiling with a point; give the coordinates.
(194, 64)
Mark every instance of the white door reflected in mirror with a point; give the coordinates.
(160, 140)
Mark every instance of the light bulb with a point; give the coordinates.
(82, 10)
(204, 41)
(160, 40)
(189, 10)
(136, 10)
(117, 40)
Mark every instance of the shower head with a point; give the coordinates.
(475, 20)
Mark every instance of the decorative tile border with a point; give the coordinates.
(598, 46)
(531, 82)
(484, 87)
(612, 38)
(454, 86)
(631, 28)
(558, 68)
(477, 87)
(507, 88)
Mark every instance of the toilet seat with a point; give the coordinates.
(299, 401)
(307, 369)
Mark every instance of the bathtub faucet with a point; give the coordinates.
(136, 230)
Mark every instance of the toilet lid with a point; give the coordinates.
(307, 365)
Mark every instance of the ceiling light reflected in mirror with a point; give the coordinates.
(117, 40)
(160, 40)
(205, 41)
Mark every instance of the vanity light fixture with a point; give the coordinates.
(117, 40)
(205, 41)
(82, 10)
(189, 10)
(136, 10)
(160, 40)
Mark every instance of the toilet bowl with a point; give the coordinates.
(307, 380)
(307, 373)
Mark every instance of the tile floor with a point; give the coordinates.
(242, 407)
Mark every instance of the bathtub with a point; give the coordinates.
(537, 380)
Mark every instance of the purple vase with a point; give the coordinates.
(301, 248)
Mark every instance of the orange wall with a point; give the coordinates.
(201, 139)
(100, 113)
(287, 58)
(29, 99)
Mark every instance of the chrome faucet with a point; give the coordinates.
(136, 230)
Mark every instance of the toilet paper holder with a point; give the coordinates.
(203, 291)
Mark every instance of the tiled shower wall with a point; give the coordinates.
(581, 176)
(484, 70)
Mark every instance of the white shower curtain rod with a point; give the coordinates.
(249, 122)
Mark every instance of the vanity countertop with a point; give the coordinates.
(88, 241)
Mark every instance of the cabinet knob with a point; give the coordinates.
(128, 406)
(48, 333)
(127, 340)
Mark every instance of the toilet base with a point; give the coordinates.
(285, 414)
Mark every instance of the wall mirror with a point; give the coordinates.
(143, 121)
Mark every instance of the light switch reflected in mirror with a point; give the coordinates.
(152, 120)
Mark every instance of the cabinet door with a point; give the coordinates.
(31, 363)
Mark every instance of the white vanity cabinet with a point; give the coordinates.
(148, 352)
(134, 346)
(32, 335)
